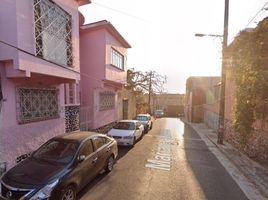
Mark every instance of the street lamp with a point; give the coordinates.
(223, 70)
(211, 35)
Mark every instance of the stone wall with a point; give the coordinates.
(257, 146)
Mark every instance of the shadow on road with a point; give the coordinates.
(94, 182)
(122, 151)
(214, 180)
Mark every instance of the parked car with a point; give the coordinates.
(60, 168)
(127, 132)
(158, 113)
(146, 121)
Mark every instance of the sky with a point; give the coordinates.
(162, 33)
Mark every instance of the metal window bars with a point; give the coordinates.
(36, 104)
(107, 100)
(53, 32)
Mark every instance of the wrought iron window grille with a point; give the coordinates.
(53, 32)
(37, 104)
(107, 100)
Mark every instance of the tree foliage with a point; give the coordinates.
(249, 53)
(146, 82)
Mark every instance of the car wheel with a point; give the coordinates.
(110, 164)
(151, 126)
(69, 193)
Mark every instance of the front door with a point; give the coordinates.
(125, 109)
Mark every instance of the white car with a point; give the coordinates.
(146, 121)
(127, 132)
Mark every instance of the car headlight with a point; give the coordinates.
(128, 137)
(45, 192)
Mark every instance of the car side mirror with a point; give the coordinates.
(81, 158)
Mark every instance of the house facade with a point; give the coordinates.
(103, 55)
(39, 73)
(171, 104)
(127, 103)
(202, 100)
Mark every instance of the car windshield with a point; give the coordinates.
(125, 126)
(142, 118)
(61, 151)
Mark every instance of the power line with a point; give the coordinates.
(122, 12)
(263, 8)
(31, 54)
(257, 14)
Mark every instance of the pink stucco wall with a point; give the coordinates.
(113, 73)
(18, 139)
(19, 32)
(95, 60)
(103, 117)
(19, 69)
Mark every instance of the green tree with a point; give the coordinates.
(249, 55)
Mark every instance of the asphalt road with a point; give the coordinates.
(171, 162)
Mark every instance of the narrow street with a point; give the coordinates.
(170, 162)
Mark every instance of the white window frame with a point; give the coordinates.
(117, 59)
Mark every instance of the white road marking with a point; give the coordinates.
(162, 157)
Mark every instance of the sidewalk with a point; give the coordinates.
(254, 173)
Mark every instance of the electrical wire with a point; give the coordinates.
(122, 12)
(254, 17)
(31, 54)
(257, 14)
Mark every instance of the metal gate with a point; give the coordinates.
(125, 109)
(86, 118)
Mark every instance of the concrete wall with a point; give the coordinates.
(126, 95)
(19, 32)
(103, 117)
(211, 119)
(92, 59)
(95, 59)
(197, 92)
(18, 139)
(23, 69)
(113, 73)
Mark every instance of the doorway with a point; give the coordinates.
(125, 109)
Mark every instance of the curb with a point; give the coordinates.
(229, 158)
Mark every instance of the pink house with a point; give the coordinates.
(103, 53)
(39, 73)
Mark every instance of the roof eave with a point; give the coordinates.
(83, 2)
(110, 28)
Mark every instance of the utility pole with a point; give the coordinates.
(150, 88)
(223, 75)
